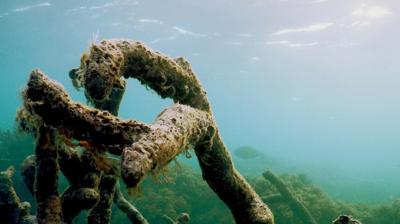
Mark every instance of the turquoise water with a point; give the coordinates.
(312, 85)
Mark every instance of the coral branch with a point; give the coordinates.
(295, 204)
(133, 214)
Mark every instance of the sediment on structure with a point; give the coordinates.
(12, 210)
(101, 71)
(287, 197)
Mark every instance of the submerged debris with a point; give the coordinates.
(57, 122)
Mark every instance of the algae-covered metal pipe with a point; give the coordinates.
(146, 147)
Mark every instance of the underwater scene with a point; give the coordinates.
(212, 111)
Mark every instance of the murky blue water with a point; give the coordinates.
(312, 84)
